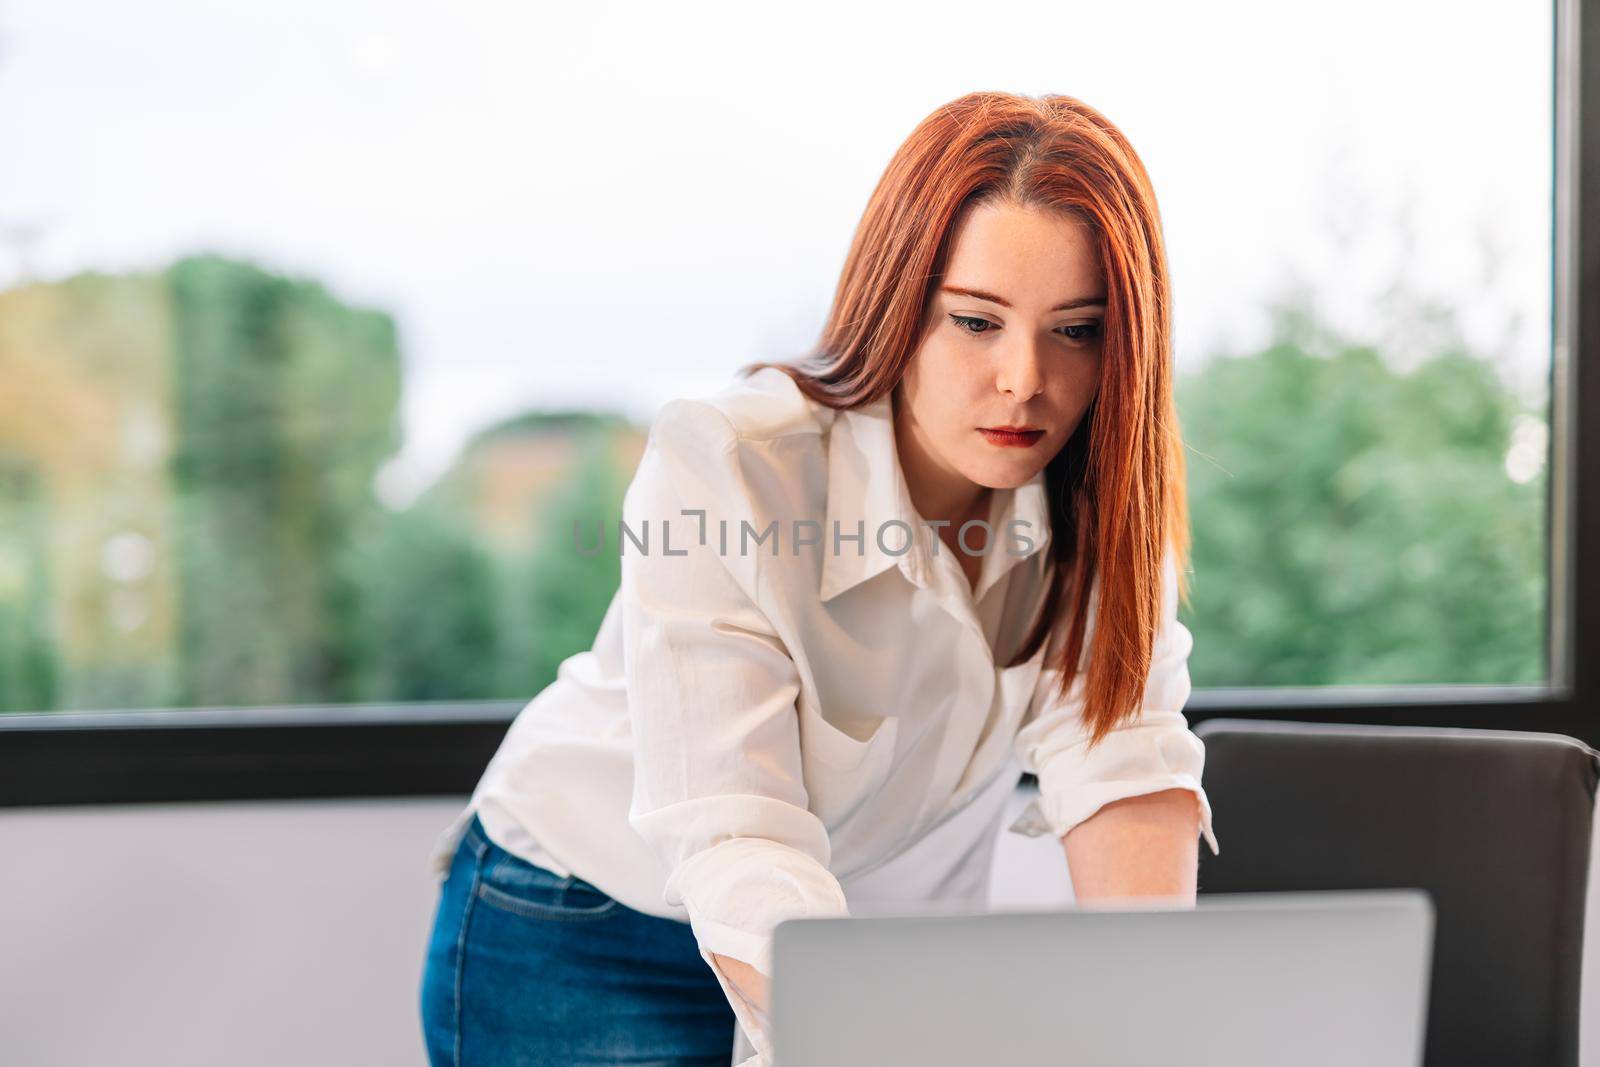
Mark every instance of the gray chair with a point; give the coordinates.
(1494, 824)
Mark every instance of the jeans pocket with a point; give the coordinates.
(512, 884)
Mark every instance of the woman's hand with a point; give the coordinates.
(751, 983)
(1141, 846)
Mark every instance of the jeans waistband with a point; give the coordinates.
(476, 836)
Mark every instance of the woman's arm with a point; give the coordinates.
(718, 787)
(1140, 846)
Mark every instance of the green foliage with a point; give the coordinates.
(29, 671)
(1354, 525)
(286, 402)
(424, 627)
(565, 591)
(297, 586)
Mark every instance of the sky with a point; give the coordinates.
(614, 204)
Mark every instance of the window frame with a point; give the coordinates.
(441, 749)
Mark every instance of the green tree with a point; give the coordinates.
(564, 592)
(287, 402)
(29, 671)
(425, 626)
(1357, 525)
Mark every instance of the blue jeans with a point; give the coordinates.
(525, 967)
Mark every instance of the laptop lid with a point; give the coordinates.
(1317, 979)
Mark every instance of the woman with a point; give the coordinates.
(860, 596)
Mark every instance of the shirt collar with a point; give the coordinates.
(867, 491)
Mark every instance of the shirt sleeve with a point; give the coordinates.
(718, 792)
(1153, 752)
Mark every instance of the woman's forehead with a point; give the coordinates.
(1030, 258)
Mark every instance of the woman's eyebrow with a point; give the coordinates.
(1080, 302)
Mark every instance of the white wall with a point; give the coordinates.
(239, 934)
(272, 933)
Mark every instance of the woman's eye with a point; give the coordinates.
(1078, 331)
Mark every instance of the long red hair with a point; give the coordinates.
(1116, 488)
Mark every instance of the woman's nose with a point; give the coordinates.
(1021, 369)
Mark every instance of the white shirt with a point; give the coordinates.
(755, 737)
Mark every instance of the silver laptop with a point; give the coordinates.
(1315, 979)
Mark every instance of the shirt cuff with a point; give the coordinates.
(1060, 815)
(1157, 752)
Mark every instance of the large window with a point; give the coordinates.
(321, 323)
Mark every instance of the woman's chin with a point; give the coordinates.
(1001, 473)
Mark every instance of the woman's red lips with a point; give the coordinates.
(1011, 436)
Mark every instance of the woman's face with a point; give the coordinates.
(1011, 339)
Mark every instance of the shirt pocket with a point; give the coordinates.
(991, 755)
(842, 770)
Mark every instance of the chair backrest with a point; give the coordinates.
(1494, 824)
